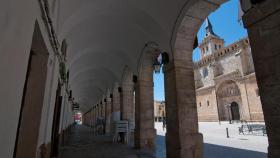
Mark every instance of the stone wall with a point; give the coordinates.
(207, 104)
(255, 107)
(233, 62)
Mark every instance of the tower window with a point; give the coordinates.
(205, 72)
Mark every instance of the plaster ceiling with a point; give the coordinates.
(104, 36)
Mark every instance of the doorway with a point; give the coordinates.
(235, 111)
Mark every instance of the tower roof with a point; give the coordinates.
(209, 28)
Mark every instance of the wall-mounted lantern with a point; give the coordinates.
(157, 66)
(70, 95)
(165, 58)
(134, 79)
(120, 89)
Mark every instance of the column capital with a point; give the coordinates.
(260, 11)
(144, 83)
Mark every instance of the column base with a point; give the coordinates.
(273, 152)
(189, 146)
(146, 141)
(147, 153)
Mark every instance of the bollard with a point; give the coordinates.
(227, 133)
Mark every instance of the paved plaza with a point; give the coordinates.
(217, 145)
(83, 144)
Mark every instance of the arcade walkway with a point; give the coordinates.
(83, 144)
(63, 57)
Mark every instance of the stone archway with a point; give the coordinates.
(228, 93)
(261, 18)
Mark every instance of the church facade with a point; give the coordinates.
(225, 80)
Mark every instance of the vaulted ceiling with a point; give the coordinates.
(104, 36)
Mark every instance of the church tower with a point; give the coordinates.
(211, 42)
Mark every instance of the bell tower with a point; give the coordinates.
(211, 42)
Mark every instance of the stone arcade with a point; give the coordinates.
(56, 53)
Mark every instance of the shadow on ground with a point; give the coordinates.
(213, 151)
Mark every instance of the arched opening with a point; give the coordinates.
(225, 78)
(160, 113)
(213, 68)
(234, 107)
(228, 93)
(33, 96)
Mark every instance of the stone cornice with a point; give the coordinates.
(204, 89)
(235, 76)
(230, 49)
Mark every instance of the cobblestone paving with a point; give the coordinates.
(83, 144)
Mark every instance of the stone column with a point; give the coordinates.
(127, 101)
(263, 23)
(108, 116)
(182, 137)
(93, 116)
(144, 109)
(90, 118)
(104, 109)
(116, 105)
(98, 110)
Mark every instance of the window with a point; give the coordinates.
(205, 72)
(215, 47)
(208, 104)
(199, 104)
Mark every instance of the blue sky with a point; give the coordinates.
(225, 25)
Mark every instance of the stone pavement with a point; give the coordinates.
(217, 145)
(83, 144)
